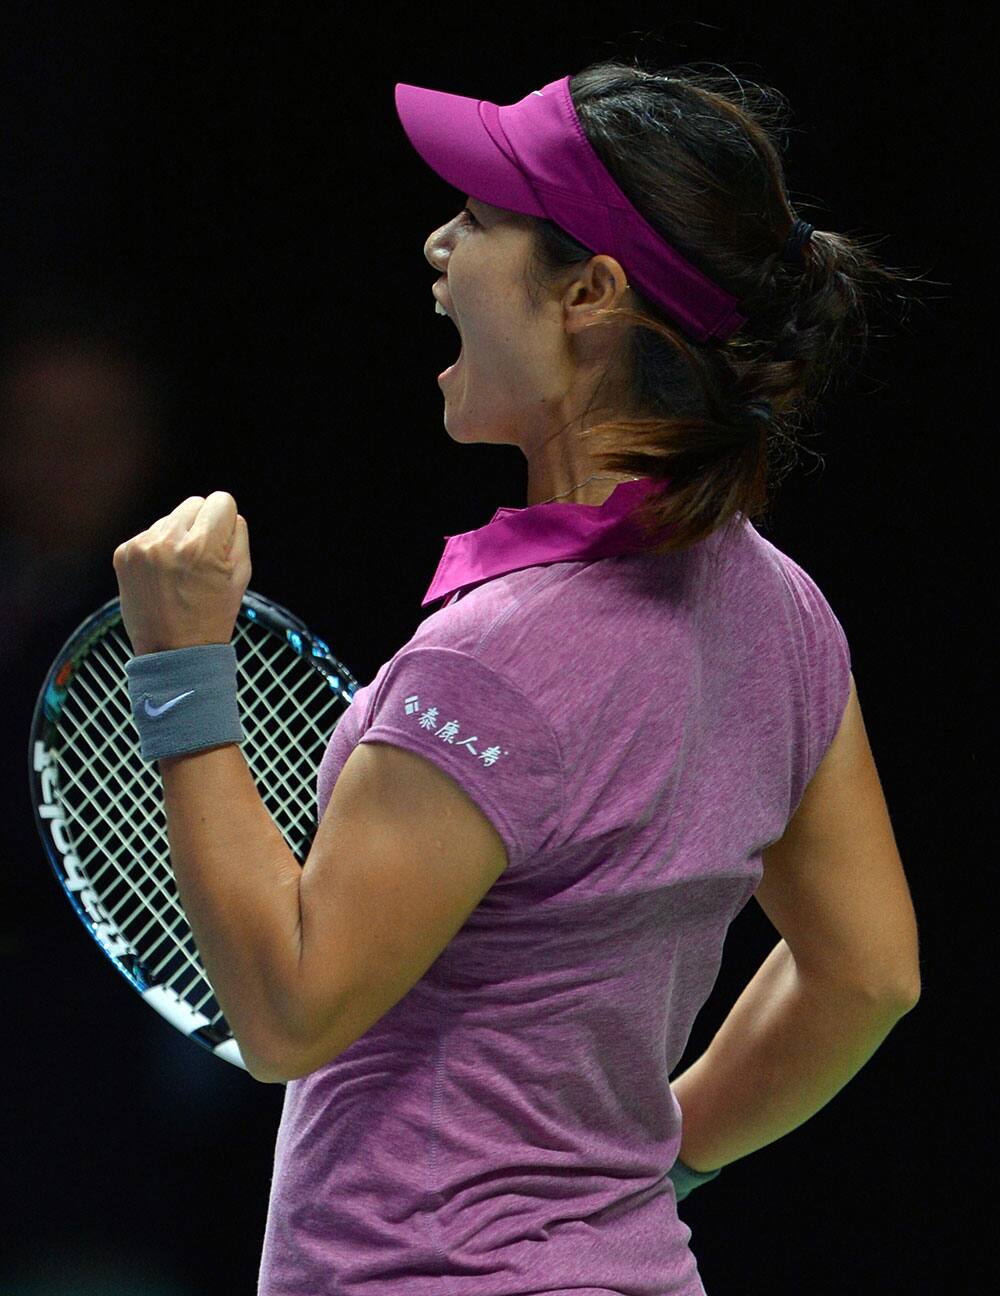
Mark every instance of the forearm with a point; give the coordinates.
(788, 1045)
(238, 883)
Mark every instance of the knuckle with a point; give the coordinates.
(151, 550)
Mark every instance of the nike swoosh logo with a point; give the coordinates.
(158, 711)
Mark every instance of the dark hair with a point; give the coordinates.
(699, 156)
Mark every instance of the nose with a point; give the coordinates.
(437, 248)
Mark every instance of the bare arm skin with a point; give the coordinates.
(845, 971)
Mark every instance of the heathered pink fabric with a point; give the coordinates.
(638, 729)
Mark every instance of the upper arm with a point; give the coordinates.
(833, 885)
(401, 858)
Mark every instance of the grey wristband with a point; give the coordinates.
(184, 700)
(685, 1179)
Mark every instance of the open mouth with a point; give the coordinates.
(452, 367)
(441, 309)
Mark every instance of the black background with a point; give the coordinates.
(232, 187)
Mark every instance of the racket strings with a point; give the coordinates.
(112, 799)
(289, 710)
(95, 783)
(95, 780)
(127, 855)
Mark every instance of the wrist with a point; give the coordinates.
(699, 1168)
(685, 1179)
(146, 647)
(184, 700)
(700, 1173)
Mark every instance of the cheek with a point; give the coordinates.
(511, 349)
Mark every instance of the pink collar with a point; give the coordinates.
(542, 533)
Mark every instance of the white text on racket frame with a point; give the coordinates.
(76, 880)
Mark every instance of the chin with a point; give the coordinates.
(464, 431)
(470, 430)
(456, 428)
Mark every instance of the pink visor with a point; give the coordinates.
(533, 157)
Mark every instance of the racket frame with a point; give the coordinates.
(51, 817)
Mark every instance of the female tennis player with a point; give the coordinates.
(629, 714)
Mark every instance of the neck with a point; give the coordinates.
(594, 477)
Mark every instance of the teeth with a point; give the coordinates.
(439, 309)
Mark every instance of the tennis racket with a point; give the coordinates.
(99, 805)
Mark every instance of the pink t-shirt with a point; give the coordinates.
(638, 729)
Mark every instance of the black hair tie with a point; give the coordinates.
(759, 409)
(798, 236)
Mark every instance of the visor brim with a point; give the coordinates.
(451, 134)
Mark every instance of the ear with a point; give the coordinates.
(599, 287)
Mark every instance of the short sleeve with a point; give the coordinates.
(832, 683)
(827, 661)
(482, 730)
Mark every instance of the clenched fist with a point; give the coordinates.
(182, 581)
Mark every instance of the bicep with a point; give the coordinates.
(401, 858)
(834, 885)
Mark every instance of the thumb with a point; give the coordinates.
(239, 544)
